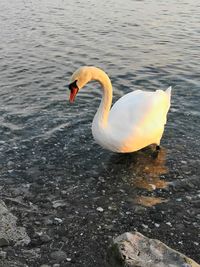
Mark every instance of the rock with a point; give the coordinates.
(58, 255)
(58, 203)
(3, 242)
(9, 231)
(100, 209)
(45, 238)
(58, 220)
(136, 250)
(3, 254)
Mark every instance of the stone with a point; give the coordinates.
(10, 233)
(58, 203)
(58, 220)
(58, 255)
(3, 254)
(45, 238)
(136, 250)
(3, 242)
(100, 209)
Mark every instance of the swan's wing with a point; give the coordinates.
(139, 110)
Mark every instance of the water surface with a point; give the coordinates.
(47, 152)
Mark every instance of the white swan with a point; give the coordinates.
(135, 121)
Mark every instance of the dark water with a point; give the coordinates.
(46, 149)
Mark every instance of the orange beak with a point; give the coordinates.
(73, 93)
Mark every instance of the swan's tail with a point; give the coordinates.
(168, 92)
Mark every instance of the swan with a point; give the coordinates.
(135, 121)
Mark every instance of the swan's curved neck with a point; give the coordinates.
(101, 116)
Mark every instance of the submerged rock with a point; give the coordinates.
(136, 250)
(10, 233)
(58, 255)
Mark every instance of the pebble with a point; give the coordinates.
(3, 254)
(183, 162)
(153, 186)
(10, 163)
(58, 220)
(112, 208)
(58, 255)
(101, 179)
(3, 242)
(48, 221)
(108, 227)
(100, 209)
(58, 203)
(45, 238)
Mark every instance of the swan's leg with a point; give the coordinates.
(156, 151)
(157, 147)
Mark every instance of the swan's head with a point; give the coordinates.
(79, 78)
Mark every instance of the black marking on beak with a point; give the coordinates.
(73, 85)
(73, 91)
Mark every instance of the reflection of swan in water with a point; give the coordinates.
(141, 170)
(148, 172)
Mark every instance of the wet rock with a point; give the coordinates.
(3, 254)
(45, 238)
(3, 242)
(9, 232)
(58, 220)
(58, 203)
(48, 221)
(136, 250)
(100, 209)
(39, 238)
(58, 255)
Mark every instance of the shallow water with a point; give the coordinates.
(46, 144)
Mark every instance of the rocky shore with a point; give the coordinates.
(50, 219)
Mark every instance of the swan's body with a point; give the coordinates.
(135, 121)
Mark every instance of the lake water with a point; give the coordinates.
(47, 152)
